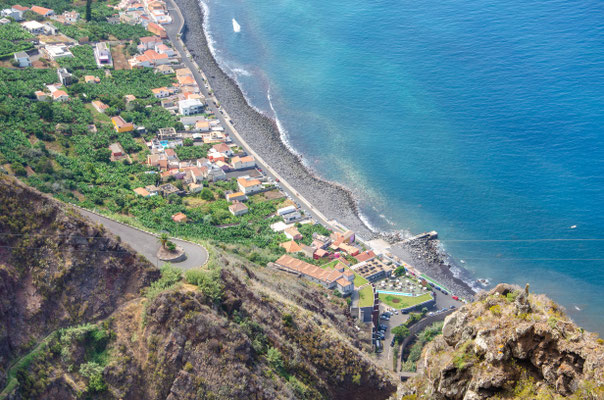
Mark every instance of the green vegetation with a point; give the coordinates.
(307, 231)
(83, 58)
(424, 337)
(400, 271)
(100, 31)
(359, 280)
(208, 282)
(13, 38)
(192, 152)
(366, 296)
(403, 301)
(427, 278)
(170, 276)
(400, 332)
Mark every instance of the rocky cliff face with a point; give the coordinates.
(509, 344)
(56, 269)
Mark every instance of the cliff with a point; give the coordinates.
(56, 269)
(82, 316)
(510, 345)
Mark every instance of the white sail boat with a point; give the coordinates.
(236, 26)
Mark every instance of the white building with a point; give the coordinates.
(102, 55)
(55, 52)
(249, 186)
(34, 27)
(243, 162)
(22, 59)
(189, 107)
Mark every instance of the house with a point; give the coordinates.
(249, 186)
(64, 76)
(157, 30)
(102, 55)
(202, 126)
(142, 192)
(15, 12)
(152, 189)
(347, 236)
(54, 52)
(243, 162)
(121, 125)
(161, 92)
(320, 253)
(116, 150)
(99, 106)
(189, 107)
(291, 247)
(286, 210)
(163, 49)
(167, 189)
(92, 79)
(291, 217)
(60, 95)
(179, 217)
(184, 80)
(344, 286)
(237, 196)
(22, 59)
(195, 187)
(195, 175)
(222, 148)
(325, 277)
(149, 42)
(293, 234)
(345, 247)
(365, 256)
(238, 209)
(165, 69)
(41, 96)
(71, 17)
(214, 174)
(307, 251)
(45, 12)
(171, 154)
(34, 27)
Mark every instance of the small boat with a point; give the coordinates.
(573, 227)
(577, 308)
(236, 26)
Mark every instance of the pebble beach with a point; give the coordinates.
(332, 199)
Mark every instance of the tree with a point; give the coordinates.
(400, 333)
(207, 194)
(164, 239)
(88, 10)
(399, 271)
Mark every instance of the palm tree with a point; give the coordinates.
(164, 239)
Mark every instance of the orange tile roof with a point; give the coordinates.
(141, 192)
(343, 282)
(291, 246)
(154, 55)
(364, 256)
(179, 217)
(40, 10)
(58, 93)
(245, 183)
(324, 275)
(185, 80)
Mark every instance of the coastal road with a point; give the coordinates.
(147, 244)
(173, 30)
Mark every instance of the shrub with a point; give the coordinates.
(207, 194)
(274, 357)
(496, 310)
(208, 282)
(169, 277)
(288, 320)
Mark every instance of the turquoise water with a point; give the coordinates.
(481, 120)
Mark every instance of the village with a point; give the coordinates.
(201, 155)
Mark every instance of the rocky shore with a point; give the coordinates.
(333, 200)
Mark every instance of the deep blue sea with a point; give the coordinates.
(483, 120)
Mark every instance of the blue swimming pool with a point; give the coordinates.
(396, 293)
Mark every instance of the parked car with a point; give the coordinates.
(396, 312)
(392, 343)
(452, 307)
(455, 297)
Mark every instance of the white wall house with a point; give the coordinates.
(189, 107)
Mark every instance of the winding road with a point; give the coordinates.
(147, 244)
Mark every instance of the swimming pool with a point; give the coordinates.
(398, 293)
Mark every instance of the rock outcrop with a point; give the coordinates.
(56, 269)
(510, 344)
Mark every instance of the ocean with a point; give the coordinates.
(481, 120)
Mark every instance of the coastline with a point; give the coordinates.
(331, 198)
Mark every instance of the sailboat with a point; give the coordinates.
(236, 26)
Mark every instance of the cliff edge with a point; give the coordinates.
(510, 344)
